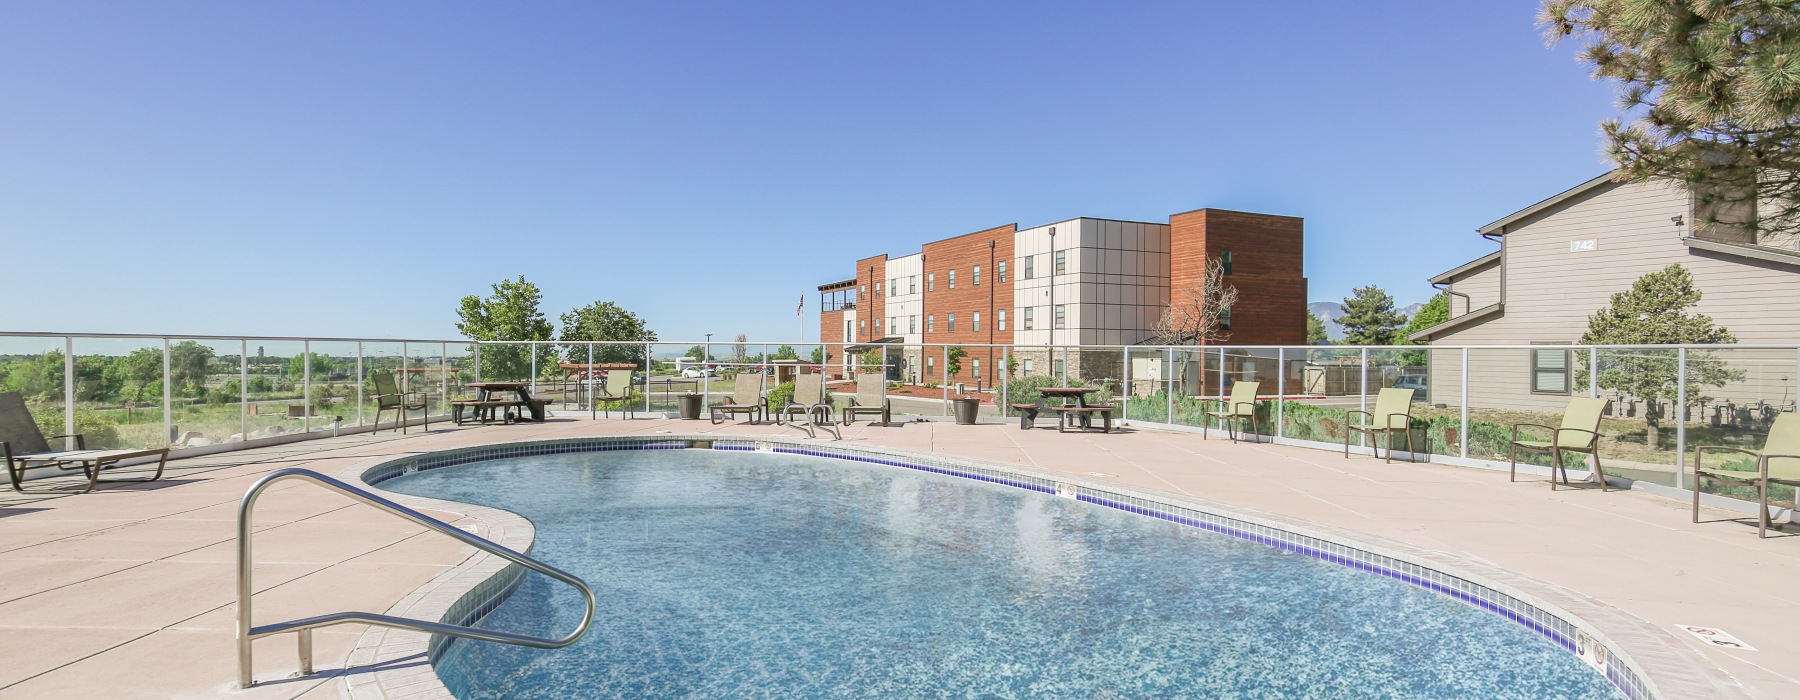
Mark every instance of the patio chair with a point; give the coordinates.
(619, 390)
(1777, 463)
(24, 446)
(746, 398)
(870, 399)
(809, 406)
(1579, 432)
(1393, 414)
(388, 397)
(1235, 410)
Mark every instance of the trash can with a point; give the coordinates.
(690, 406)
(966, 410)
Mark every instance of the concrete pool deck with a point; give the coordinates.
(127, 592)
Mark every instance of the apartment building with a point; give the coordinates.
(1560, 260)
(1080, 281)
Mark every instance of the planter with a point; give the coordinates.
(966, 410)
(690, 406)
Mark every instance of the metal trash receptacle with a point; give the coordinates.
(690, 406)
(966, 410)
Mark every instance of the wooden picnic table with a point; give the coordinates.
(484, 394)
(1074, 402)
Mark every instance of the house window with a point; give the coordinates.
(877, 288)
(1028, 365)
(1030, 266)
(1030, 317)
(1550, 372)
(847, 334)
(1002, 325)
(930, 323)
(912, 323)
(1061, 265)
(1225, 320)
(862, 326)
(976, 277)
(1002, 271)
(1061, 316)
(977, 369)
(950, 324)
(952, 279)
(1056, 368)
(1225, 261)
(975, 322)
(930, 366)
(893, 289)
(893, 322)
(912, 284)
(931, 281)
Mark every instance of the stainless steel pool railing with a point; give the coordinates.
(304, 626)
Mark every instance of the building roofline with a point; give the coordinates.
(1443, 277)
(1238, 211)
(834, 286)
(1460, 321)
(1564, 196)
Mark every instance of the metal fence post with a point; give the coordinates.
(1280, 392)
(1205, 419)
(1169, 376)
(532, 347)
(477, 363)
(1462, 436)
(1125, 383)
(1593, 373)
(588, 376)
(405, 376)
(1681, 416)
(168, 400)
(243, 389)
(306, 384)
(360, 380)
(69, 391)
(444, 377)
(1362, 438)
(944, 374)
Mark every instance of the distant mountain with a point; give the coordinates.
(1329, 311)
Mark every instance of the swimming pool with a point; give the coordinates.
(777, 575)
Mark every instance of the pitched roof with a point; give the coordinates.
(1566, 195)
(1458, 322)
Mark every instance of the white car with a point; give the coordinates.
(698, 372)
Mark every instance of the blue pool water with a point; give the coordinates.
(749, 575)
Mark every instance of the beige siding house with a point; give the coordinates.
(1562, 259)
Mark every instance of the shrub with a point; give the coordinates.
(781, 395)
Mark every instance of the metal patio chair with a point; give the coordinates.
(25, 446)
(870, 399)
(809, 406)
(1238, 408)
(1579, 432)
(746, 398)
(388, 397)
(1777, 463)
(1393, 414)
(619, 390)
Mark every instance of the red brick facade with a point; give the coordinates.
(1267, 253)
(870, 304)
(957, 258)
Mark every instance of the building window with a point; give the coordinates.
(1061, 265)
(975, 322)
(930, 366)
(950, 324)
(912, 323)
(912, 284)
(930, 323)
(864, 325)
(1003, 271)
(1225, 261)
(878, 288)
(976, 278)
(931, 281)
(1028, 365)
(1030, 266)
(1002, 325)
(1056, 368)
(1225, 320)
(1550, 372)
(952, 279)
(977, 369)
(848, 335)
(893, 323)
(893, 289)
(1029, 317)
(1061, 316)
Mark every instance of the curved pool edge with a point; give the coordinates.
(1634, 655)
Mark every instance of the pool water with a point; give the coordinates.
(750, 575)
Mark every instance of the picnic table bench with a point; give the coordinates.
(485, 404)
(1084, 415)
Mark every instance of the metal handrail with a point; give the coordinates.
(304, 626)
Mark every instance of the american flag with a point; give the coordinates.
(802, 307)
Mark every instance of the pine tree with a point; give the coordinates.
(1370, 317)
(1657, 311)
(1315, 331)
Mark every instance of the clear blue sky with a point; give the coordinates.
(352, 169)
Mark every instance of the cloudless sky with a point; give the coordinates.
(352, 169)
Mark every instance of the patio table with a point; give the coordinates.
(484, 391)
(1074, 401)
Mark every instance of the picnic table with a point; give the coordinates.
(485, 401)
(1074, 404)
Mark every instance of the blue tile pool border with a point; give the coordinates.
(1565, 633)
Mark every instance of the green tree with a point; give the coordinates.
(698, 353)
(187, 367)
(604, 321)
(785, 352)
(1315, 331)
(819, 356)
(1710, 95)
(1431, 314)
(1657, 311)
(139, 370)
(1370, 317)
(322, 366)
(510, 313)
(953, 358)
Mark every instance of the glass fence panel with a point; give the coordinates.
(1735, 395)
(1194, 378)
(1259, 365)
(1323, 384)
(917, 392)
(674, 370)
(206, 392)
(118, 393)
(276, 403)
(34, 367)
(1148, 392)
(383, 358)
(332, 401)
(1438, 391)
(1028, 369)
(1511, 398)
(1638, 431)
(1432, 430)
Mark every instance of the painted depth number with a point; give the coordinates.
(1716, 637)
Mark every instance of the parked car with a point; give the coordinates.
(698, 372)
(1415, 382)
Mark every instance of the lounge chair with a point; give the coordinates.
(24, 446)
(388, 397)
(619, 390)
(1393, 414)
(1240, 407)
(870, 399)
(746, 398)
(809, 406)
(1777, 463)
(1579, 432)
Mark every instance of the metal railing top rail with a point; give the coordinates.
(1565, 346)
(246, 633)
(195, 336)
